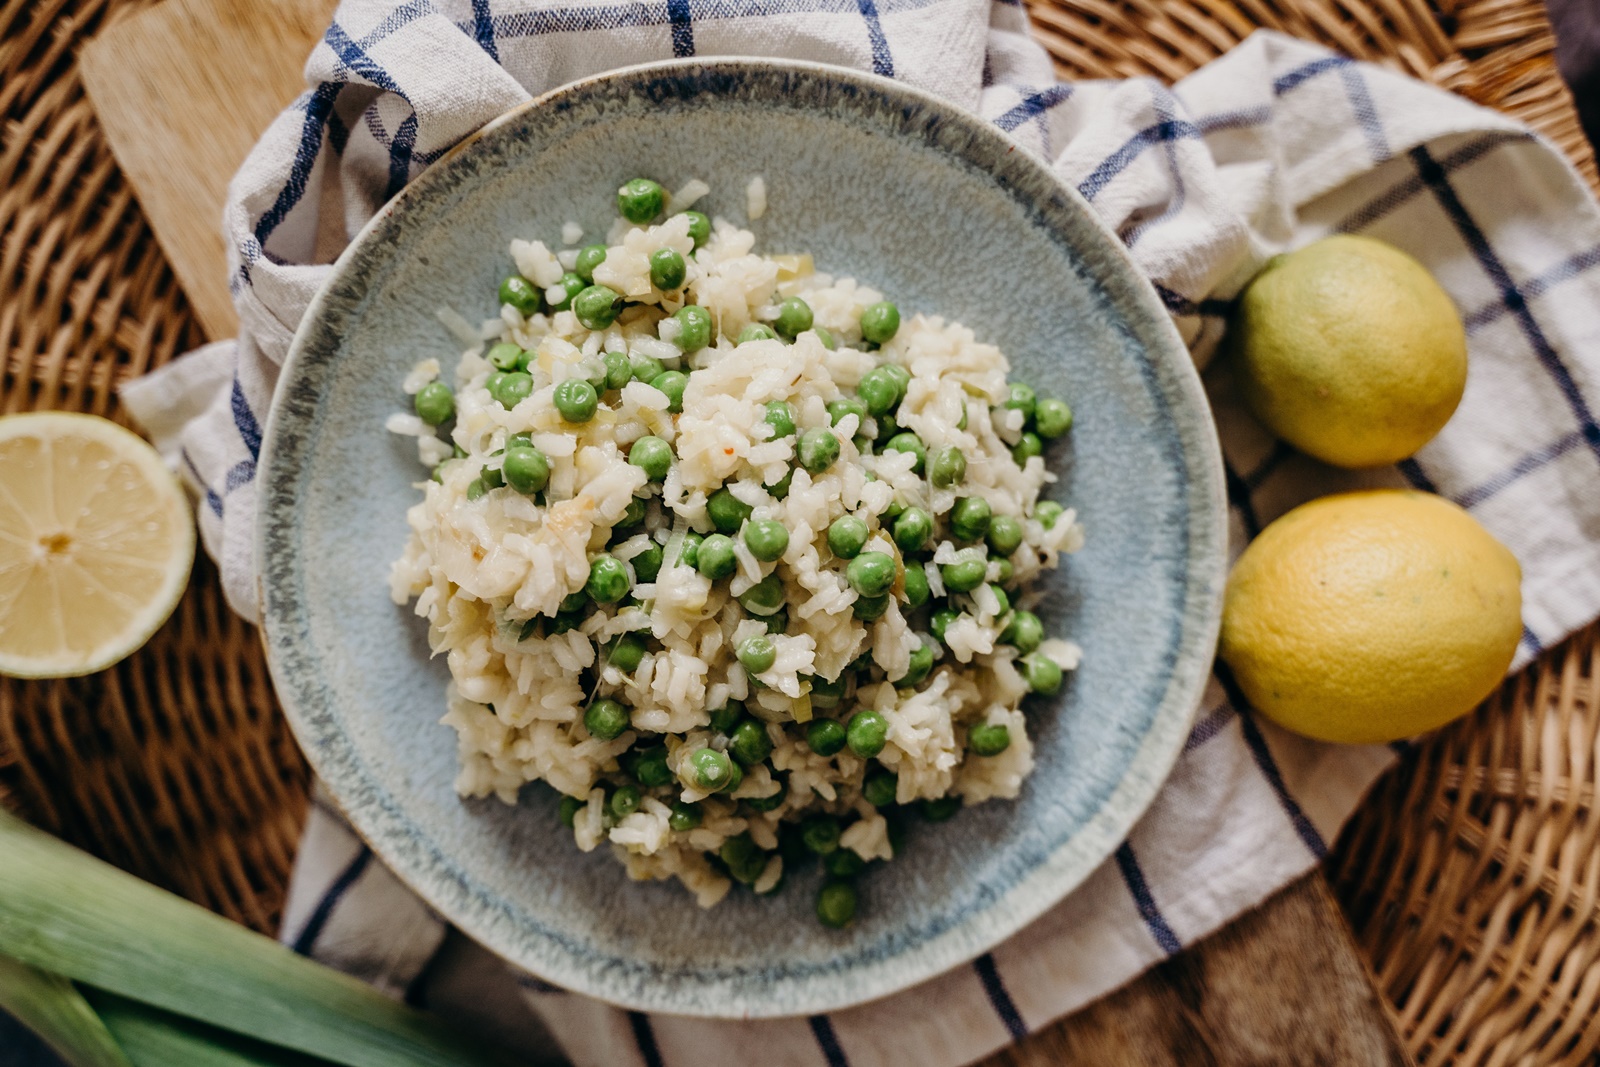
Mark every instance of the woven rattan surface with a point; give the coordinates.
(1470, 875)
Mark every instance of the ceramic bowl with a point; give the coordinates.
(945, 214)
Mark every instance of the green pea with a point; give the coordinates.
(846, 405)
(624, 802)
(627, 652)
(699, 227)
(1042, 673)
(768, 803)
(568, 811)
(867, 733)
(1005, 601)
(843, 863)
(836, 904)
(778, 621)
(827, 694)
(743, 858)
(667, 269)
(709, 769)
(825, 737)
(766, 539)
(1027, 446)
(672, 383)
(969, 519)
(650, 767)
(504, 356)
(725, 718)
(868, 608)
(988, 739)
(779, 489)
(941, 622)
(916, 581)
(492, 479)
(949, 467)
(1003, 569)
(694, 327)
(646, 369)
(574, 602)
(1047, 512)
(780, 416)
(879, 391)
(921, 666)
(912, 529)
(512, 389)
(756, 332)
(597, 306)
(476, 489)
(494, 380)
(526, 470)
(1020, 398)
(961, 423)
(640, 200)
(520, 293)
(619, 371)
(909, 442)
(878, 789)
(965, 576)
(901, 376)
(1051, 417)
(820, 834)
(576, 400)
(652, 455)
(749, 743)
(847, 535)
(880, 322)
(871, 573)
(633, 516)
(716, 559)
(757, 654)
(940, 809)
(1024, 631)
(572, 285)
(726, 511)
(435, 403)
(566, 621)
(1004, 534)
(605, 719)
(589, 257)
(608, 580)
(818, 450)
(647, 564)
(517, 440)
(684, 817)
(826, 337)
(794, 318)
(764, 598)
(689, 556)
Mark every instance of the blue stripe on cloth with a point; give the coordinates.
(1355, 87)
(682, 28)
(306, 940)
(1235, 120)
(1239, 497)
(1573, 266)
(1209, 726)
(1416, 476)
(318, 105)
(1262, 754)
(1300, 75)
(1118, 161)
(644, 1038)
(1403, 191)
(828, 1041)
(405, 140)
(619, 16)
(1179, 304)
(1166, 108)
(1154, 921)
(240, 473)
(401, 17)
(995, 989)
(483, 28)
(1434, 176)
(1523, 467)
(355, 59)
(882, 61)
(1531, 641)
(1033, 106)
(213, 501)
(245, 420)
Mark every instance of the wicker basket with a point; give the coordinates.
(1470, 875)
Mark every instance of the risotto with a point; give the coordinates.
(730, 555)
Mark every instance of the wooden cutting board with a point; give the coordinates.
(185, 88)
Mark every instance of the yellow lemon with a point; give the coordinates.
(1371, 616)
(1350, 351)
(96, 543)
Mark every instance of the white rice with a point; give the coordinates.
(484, 571)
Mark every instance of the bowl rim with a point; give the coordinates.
(371, 817)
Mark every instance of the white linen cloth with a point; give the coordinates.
(1270, 147)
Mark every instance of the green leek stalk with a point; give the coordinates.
(154, 1038)
(65, 912)
(56, 1012)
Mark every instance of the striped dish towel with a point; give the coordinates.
(1270, 147)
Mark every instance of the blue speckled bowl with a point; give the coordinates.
(927, 203)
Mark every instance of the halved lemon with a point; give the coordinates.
(96, 542)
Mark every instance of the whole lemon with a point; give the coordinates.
(1371, 616)
(1350, 351)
